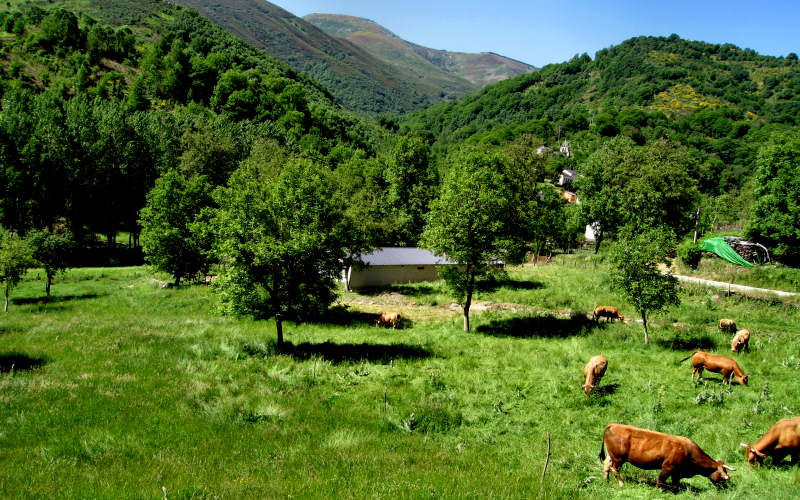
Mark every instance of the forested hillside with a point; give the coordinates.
(93, 113)
(720, 101)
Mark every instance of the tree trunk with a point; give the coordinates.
(177, 280)
(5, 302)
(279, 329)
(468, 302)
(598, 238)
(48, 283)
(644, 324)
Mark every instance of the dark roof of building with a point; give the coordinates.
(396, 256)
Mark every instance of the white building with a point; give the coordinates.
(392, 265)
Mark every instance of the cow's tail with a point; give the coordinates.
(602, 454)
(687, 357)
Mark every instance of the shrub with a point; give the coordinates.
(690, 253)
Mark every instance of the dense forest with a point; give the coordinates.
(92, 114)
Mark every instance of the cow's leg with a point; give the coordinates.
(726, 378)
(666, 471)
(613, 466)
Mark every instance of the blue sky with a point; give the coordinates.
(540, 33)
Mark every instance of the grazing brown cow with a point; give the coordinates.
(388, 318)
(676, 456)
(609, 312)
(727, 325)
(781, 439)
(718, 364)
(741, 341)
(593, 372)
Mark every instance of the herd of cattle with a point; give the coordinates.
(677, 456)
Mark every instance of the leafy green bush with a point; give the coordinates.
(690, 253)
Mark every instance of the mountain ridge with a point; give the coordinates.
(480, 69)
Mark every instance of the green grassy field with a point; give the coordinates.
(115, 388)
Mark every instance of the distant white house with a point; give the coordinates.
(565, 149)
(566, 177)
(392, 265)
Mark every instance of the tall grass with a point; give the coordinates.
(120, 388)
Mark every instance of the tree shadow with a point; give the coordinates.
(538, 326)
(418, 290)
(688, 343)
(344, 316)
(491, 285)
(348, 353)
(53, 299)
(19, 362)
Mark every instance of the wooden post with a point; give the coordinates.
(547, 460)
(384, 404)
(696, 224)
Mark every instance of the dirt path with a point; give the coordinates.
(738, 288)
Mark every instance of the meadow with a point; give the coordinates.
(117, 388)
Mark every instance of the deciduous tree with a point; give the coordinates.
(635, 271)
(283, 239)
(15, 258)
(471, 222)
(52, 252)
(775, 219)
(170, 239)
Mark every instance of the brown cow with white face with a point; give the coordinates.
(741, 341)
(676, 456)
(780, 440)
(593, 372)
(718, 364)
(609, 312)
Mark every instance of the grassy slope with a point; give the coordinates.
(121, 387)
(449, 69)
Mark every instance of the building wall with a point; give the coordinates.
(388, 275)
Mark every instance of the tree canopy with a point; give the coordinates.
(283, 238)
(775, 218)
(472, 221)
(635, 273)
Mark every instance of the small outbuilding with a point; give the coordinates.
(393, 265)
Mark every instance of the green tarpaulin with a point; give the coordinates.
(721, 248)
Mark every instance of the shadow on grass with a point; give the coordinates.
(346, 353)
(669, 487)
(19, 362)
(418, 290)
(538, 326)
(343, 316)
(492, 285)
(605, 390)
(688, 343)
(53, 299)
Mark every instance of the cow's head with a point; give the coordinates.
(720, 473)
(742, 380)
(753, 456)
(587, 388)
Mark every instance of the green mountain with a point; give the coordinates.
(359, 81)
(93, 110)
(720, 101)
(449, 68)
